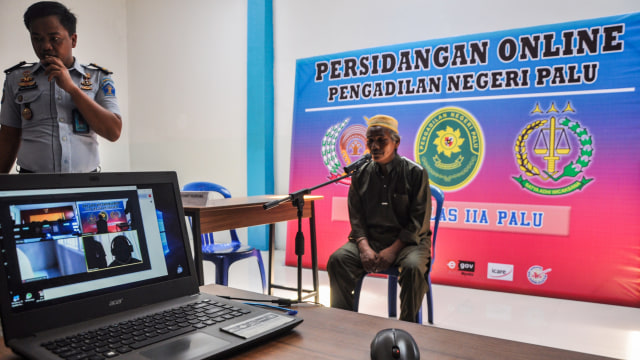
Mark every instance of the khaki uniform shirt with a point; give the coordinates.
(46, 115)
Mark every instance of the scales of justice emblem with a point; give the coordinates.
(560, 146)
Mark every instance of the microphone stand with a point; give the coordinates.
(297, 200)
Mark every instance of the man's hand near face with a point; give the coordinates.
(56, 70)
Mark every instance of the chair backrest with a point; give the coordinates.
(209, 186)
(437, 194)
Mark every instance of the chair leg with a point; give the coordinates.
(261, 266)
(392, 298)
(356, 294)
(222, 272)
(429, 303)
(392, 295)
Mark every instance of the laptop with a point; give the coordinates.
(100, 266)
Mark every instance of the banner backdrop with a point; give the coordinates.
(531, 133)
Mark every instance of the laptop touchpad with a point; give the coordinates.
(191, 346)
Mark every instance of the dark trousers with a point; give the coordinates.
(345, 269)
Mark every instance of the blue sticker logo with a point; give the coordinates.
(108, 88)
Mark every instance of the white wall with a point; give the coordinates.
(187, 66)
(182, 67)
(101, 39)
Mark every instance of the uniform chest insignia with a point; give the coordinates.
(86, 83)
(27, 81)
(27, 114)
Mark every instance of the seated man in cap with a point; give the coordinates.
(389, 210)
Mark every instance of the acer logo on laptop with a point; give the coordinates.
(115, 302)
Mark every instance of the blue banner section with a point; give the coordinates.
(513, 64)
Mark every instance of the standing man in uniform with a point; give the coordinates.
(389, 210)
(52, 111)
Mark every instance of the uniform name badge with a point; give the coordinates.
(80, 125)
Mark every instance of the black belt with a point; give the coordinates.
(22, 170)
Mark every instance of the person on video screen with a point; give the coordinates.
(122, 250)
(94, 253)
(101, 224)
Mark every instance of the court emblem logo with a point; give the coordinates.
(342, 145)
(553, 152)
(450, 145)
(537, 275)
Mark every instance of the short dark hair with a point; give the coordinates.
(51, 8)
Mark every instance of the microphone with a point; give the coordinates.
(358, 164)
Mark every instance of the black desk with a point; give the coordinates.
(329, 334)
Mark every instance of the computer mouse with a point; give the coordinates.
(394, 344)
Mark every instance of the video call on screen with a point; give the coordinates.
(59, 242)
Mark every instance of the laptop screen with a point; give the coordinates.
(67, 243)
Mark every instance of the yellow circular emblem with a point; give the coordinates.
(450, 145)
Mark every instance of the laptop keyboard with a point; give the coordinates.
(123, 337)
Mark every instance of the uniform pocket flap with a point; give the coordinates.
(28, 96)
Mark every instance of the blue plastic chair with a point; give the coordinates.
(225, 254)
(393, 272)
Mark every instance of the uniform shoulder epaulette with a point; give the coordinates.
(17, 66)
(107, 72)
